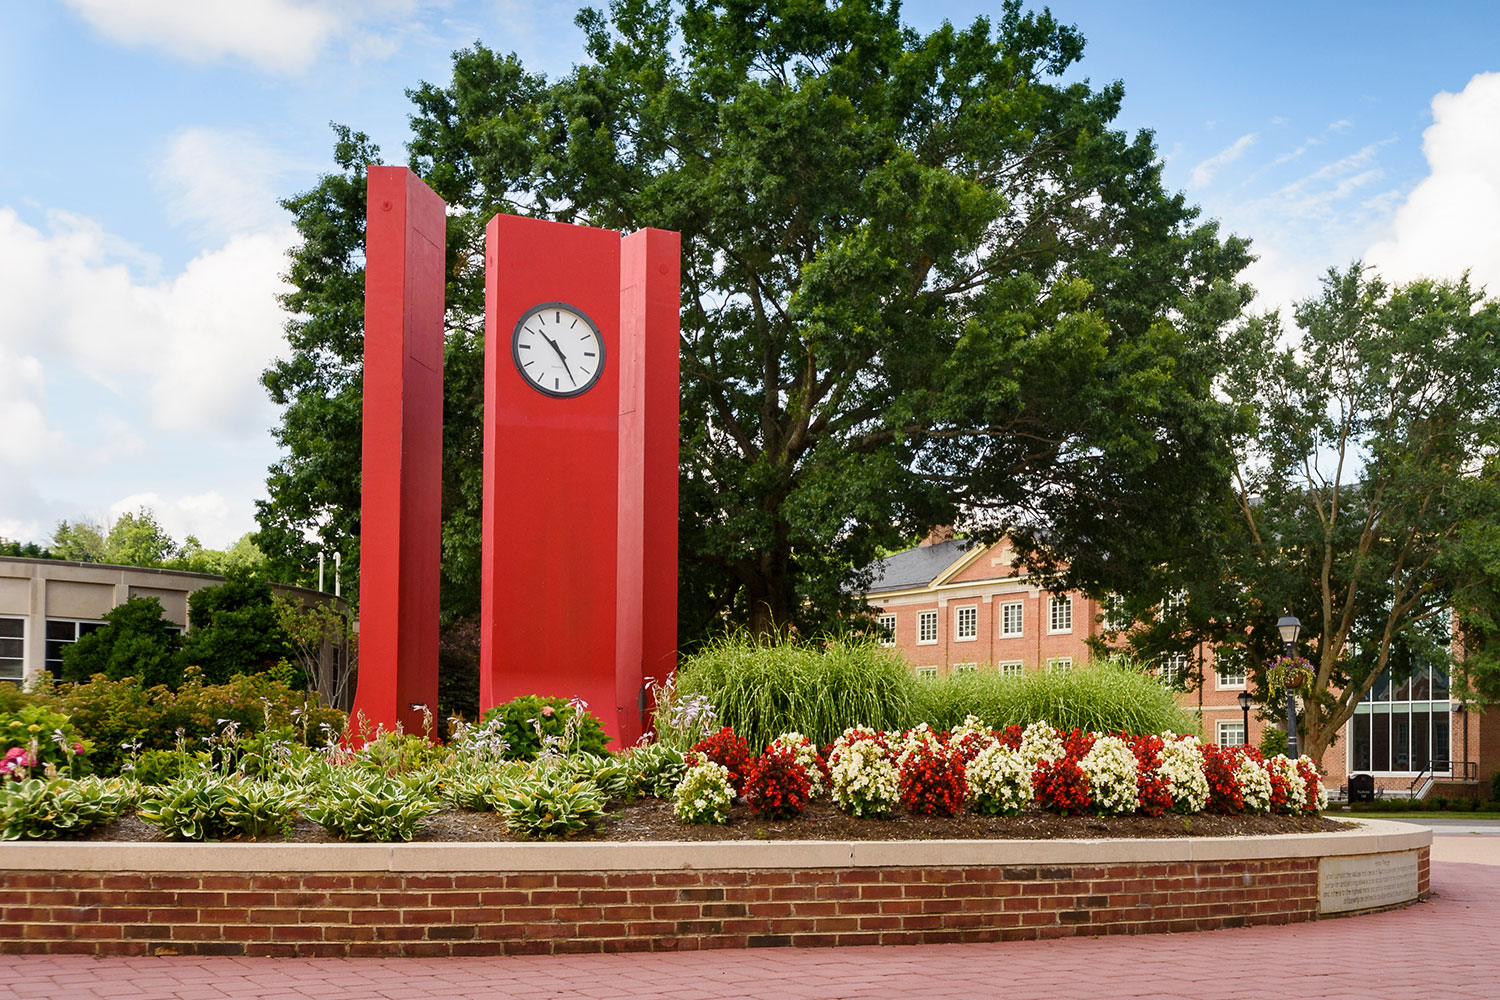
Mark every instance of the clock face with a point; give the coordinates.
(558, 349)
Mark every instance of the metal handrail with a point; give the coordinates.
(1459, 770)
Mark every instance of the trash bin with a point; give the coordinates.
(1361, 788)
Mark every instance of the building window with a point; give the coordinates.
(1059, 664)
(1231, 678)
(12, 648)
(926, 628)
(1060, 618)
(1011, 668)
(1174, 668)
(1403, 727)
(62, 633)
(885, 628)
(1012, 614)
(1174, 604)
(966, 668)
(1231, 734)
(1114, 618)
(966, 623)
(927, 673)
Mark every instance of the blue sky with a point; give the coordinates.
(144, 144)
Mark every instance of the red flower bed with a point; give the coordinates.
(728, 748)
(932, 782)
(776, 786)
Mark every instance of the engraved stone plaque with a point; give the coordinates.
(1359, 883)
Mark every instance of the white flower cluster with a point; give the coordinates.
(972, 725)
(999, 781)
(865, 780)
(1040, 742)
(704, 793)
(806, 754)
(915, 739)
(1111, 769)
(1255, 785)
(1182, 769)
(1296, 791)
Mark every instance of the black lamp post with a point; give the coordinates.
(1289, 627)
(1244, 700)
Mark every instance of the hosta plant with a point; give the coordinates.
(369, 807)
(705, 792)
(41, 809)
(656, 768)
(547, 803)
(478, 787)
(611, 774)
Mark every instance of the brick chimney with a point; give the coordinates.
(942, 533)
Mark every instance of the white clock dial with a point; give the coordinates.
(558, 350)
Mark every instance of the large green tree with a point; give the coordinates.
(924, 280)
(1365, 498)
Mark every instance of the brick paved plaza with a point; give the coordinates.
(1447, 947)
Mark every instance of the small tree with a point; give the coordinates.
(235, 630)
(323, 645)
(136, 641)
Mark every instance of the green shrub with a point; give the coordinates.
(48, 734)
(369, 807)
(763, 691)
(562, 726)
(392, 754)
(1273, 741)
(136, 641)
(1105, 697)
(547, 803)
(39, 809)
(161, 767)
(235, 630)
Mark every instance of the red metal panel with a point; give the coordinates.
(401, 492)
(551, 480)
(649, 402)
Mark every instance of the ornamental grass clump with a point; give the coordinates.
(776, 784)
(705, 792)
(865, 779)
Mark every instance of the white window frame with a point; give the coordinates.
(1174, 667)
(78, 633)
(961, 632)
(1006, 607)
(1237, 725)
(1059, 664)
(1065, 603)
(924, 620)
(886, 624)
(1112, 615)
(1011, 668)
(927, 673)
(1236, 681)
(966, 668)
(20, 660)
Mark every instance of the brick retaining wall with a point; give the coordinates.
(476, 912)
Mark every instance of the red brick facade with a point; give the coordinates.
(387, 914)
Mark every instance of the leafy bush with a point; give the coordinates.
(235, 630)
(565, 726)
(1273, 741)
(126, 715)
(478, 787)
(135, 642)
(38, 809)
(612, 775)
(160, 767)
(776, 784)
(203, 805)
(369, 807)
(704, 794)
(46, 734)
(655, 768)
(728, 748)
(547, 803)
(392, 753)
(762, 691)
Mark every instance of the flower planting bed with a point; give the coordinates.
(423, 899)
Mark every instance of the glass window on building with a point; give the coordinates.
(1012, 617)
(1404, 727)
(966, 668)
(1231, 734)
(1011, 668)
(927, 627)
(966, 623)
(1061, 617)
(1060, 664)
(1231, 678)
(12, 648)
(927, 673)
(885, 626)
(62, 633)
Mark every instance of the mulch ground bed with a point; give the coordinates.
(652, 819)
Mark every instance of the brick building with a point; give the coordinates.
(950, 605)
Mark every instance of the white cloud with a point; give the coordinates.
(279, 36)
(27, 441)
(1451, 221)
(220, 183)
(215, 521)
(1203, 174)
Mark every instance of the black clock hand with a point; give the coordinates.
(561, 356)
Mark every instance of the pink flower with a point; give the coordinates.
(547, 710)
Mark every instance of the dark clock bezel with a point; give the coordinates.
(515, 350)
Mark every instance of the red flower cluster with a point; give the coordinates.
(933, 781)
(1151, 788)
(1308, 773)
(1010, 736)
(1061, 785)
(1281, 792)
(967, 746)
(1219, 767)
(776, 786)
(820, 759)
(728, 748)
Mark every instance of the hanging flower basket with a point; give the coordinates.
(1289, 672)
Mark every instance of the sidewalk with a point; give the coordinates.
(1446, 947)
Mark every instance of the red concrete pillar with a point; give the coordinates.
(550, 518)
(650, 264)
(401, 491)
